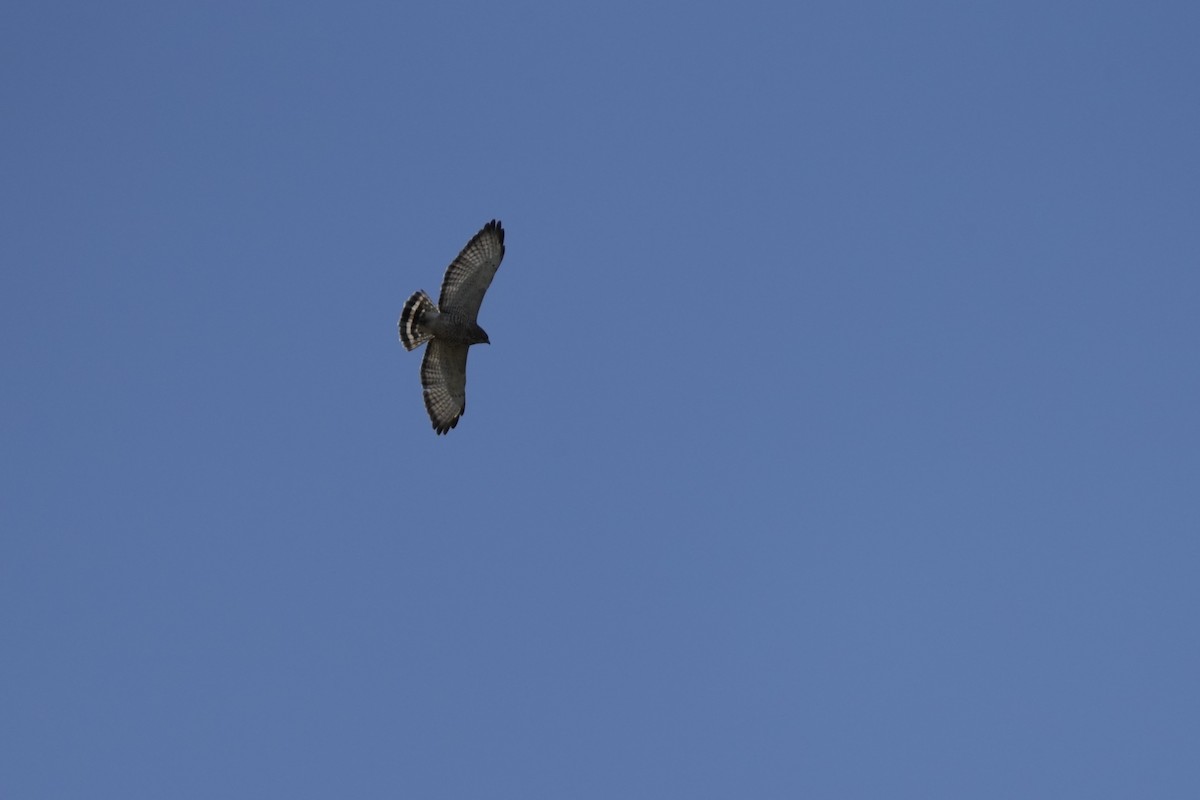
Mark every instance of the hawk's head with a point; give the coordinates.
(479, 335)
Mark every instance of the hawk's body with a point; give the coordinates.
(450, 327)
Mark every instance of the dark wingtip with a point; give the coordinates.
(498, 227)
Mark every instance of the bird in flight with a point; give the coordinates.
(450, 327)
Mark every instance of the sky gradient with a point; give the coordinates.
(838, 436)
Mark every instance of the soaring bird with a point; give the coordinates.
(450, 327)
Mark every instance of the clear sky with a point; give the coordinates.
(839, 435)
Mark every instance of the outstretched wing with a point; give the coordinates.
(444, 383)
(470, 275)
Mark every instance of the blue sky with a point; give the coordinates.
(838, 437)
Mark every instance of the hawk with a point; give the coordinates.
(450, 327)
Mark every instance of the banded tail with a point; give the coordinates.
(413, 333)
